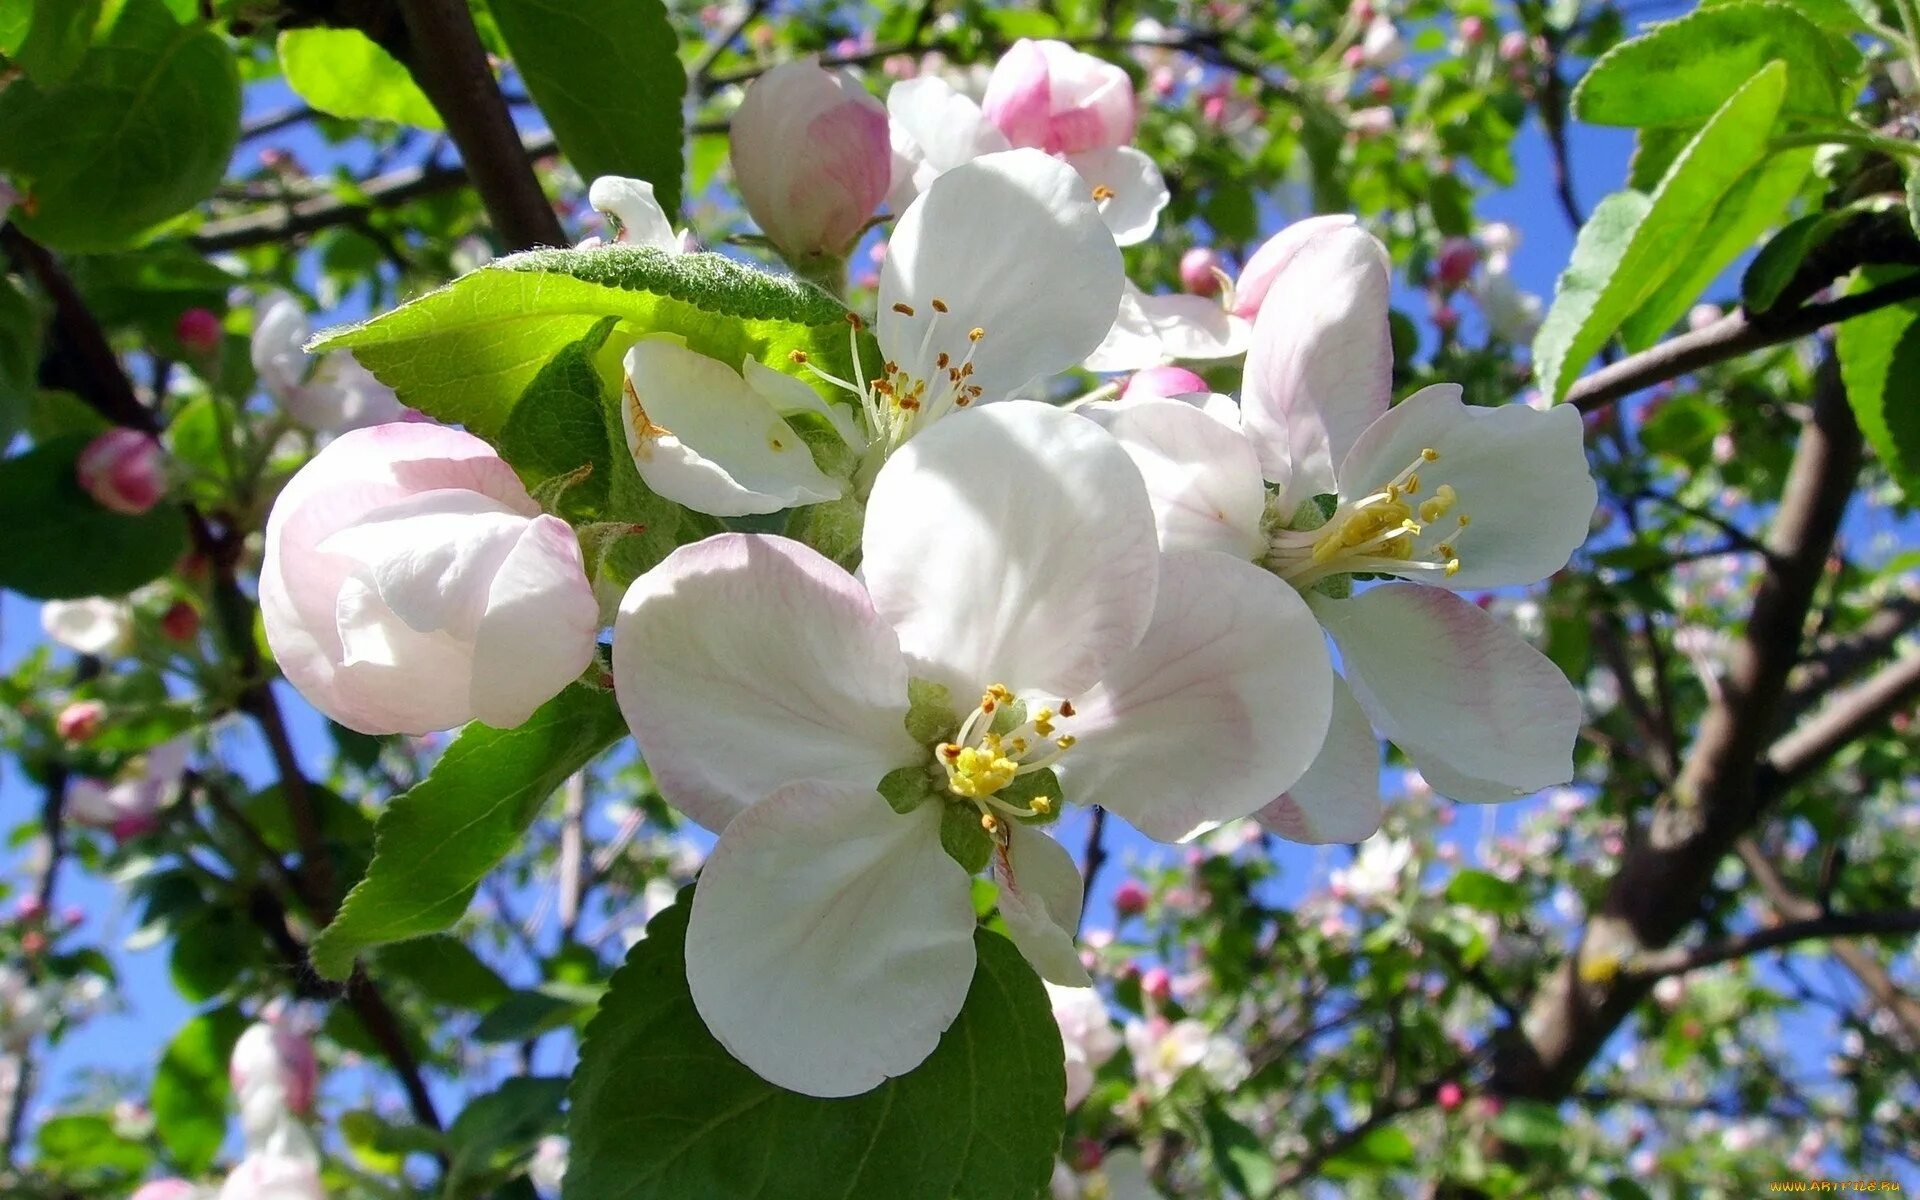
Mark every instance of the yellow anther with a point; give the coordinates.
(1465, 520)
(1430, 454)
(976, 333)
(989, 822)
(905, 310)
(1443, 550)
(939, 305)
(1413, 483)
(1019, 745)
(1453, 567)
(1101, 193)
(1042, 805)
(1065, 741)
(799, 356)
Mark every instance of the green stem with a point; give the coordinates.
(1848, 137)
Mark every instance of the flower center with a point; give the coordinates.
(1392, 531)
(903, 399)
(998, 744)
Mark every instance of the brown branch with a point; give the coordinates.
(1096, 857)
(444, 54)
(1888, 691)
(1679, 960)
(1668, 866)
(76, 336)
(1729, 337)
(1838, 658)
(1309, 1164)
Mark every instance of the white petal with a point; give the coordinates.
(1338, 799)
(279, 332)
(1126, 1176)
(1223, 706)
(745, 662)
(831, 939)
(703, 438)
(399, 679)
(541, 625)
(1456, 689)
(349, 395)
(631, 203)
(432, 556)
(1012, 544)
(1150, 330)
(1202, 476)
(1138, 190)
(934, 129)
(1321, 364)
(1012, 245)
(1521, 474)
(788, 395)
(1040, 895)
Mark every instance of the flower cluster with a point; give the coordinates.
(1121, 603)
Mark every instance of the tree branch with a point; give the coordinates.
(1838, 658)
(1730, 337)
(1095, 856)
(446, 58)
(1887, 691)
(1679, 960)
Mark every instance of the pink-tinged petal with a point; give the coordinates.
(1456, 689)
(1150, 330)
(831, 939)
(432, 556)
(1012, 544)
(1338, 799)
(390, 677)
(934, 130)
(300, 585)
(1256, 278)
(540, 628)
(811, 154)
(1092, 99)
(746, 662)
(1040, 896)
(1013, 246)
(1202, 476)
(1222, 707)
(1019, 96)
(1129, 188)
(1520, 473)
(1321, 364)
(1163, 383)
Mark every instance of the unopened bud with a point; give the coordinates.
(122, 470)
(181, 621)
(79, 721)
(1200, 271)
(198, 331)
(1130, 898)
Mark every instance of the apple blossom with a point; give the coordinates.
(811, 154)
(339, 395)
(1266, 263)
(808, 717)
(1162, 383)
(1087, 1035)
(1118, 1175)
(276, 1173)
(126, 805)
(198, 331)
(1130, 899)
(634, 217)
(79, 721)
(1163, 1051)
(410, 584)
(1454, 264)
(547, 1170)
(999, 274)
(1042, 95)
(273, 1058)
(1201, 271)
(1376, 871)
(91, 625)
(1364, 489)
(123, 470)
(170, 1189)
(1381, 46)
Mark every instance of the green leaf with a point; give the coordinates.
(1844, 17)
(559, 425)
(62, 544)
(86, 1142)
(344, 73)
(141, 132)
(528, 1014)
(465, 353)
(1633, 242)
(437, 840)
(57, 39)
(1862, 224)
(190, 1088)
(607, 76)
(1240, 1157)
(1880, 364)
(1488, 893)
(503, 1122)
(1681, 72)
(964, 839)
(1750, 208)
(660, 1111)
(1529, 1123)
(445, 971)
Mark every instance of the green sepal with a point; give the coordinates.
(930, 716)
(1334, 587)
(1009, 717)
(1314, 512)
(1026, 788)
(964, 839)
(907, 788)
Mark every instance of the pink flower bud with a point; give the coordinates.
(122, 469)
(33, 943)
(1363, 13)
(198, 330)
(30, 908)
(812, 157)
(138, 825)
(1157, 984)
(1454, 265)
(1161, 81)
(1086, 1155)
(1380, 88)
(181, 621)
(1161, 383)
(273, 1055)
(1047, 95)
(1450, 1095)
(1473, 30)
(1489, 1106)
(1213, 110)
(1200, 271)
(1130, 898)
(1353, 58)
(1446, 318)
(79, 721)
(167, 1189)
(1513, 46)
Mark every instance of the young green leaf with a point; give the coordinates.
(1880, 365)
(436, 841)
(660, 1110)
(343, 72)
(190, 1088)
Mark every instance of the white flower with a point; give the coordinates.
(94, 625)
(1000, 274)
(1163, 1051)
(282, 1163)
(1009, 556)
(1086, 1033)
(126, 805)
(24, 1011)
(548, 1168)
(340, 395)
(1376, 871)
(634, 217)
(1431, 490)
